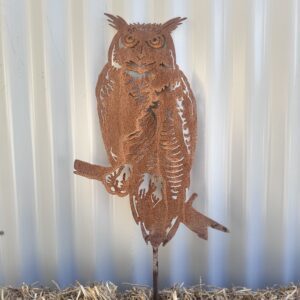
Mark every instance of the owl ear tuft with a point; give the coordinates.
(116, 21)
(172, 24)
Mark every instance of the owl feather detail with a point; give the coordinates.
(148, 118)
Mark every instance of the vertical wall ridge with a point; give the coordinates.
(42, 132)
(10, 248)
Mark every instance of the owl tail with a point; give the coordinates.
(197, 222)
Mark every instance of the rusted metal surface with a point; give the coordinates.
(147, 114)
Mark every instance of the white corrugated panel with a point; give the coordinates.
(243, 61)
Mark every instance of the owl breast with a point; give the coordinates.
(121, 99)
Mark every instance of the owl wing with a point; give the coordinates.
(106, 93)
(178, 136)
(187, 112)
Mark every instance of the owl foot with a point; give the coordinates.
(116, 182)
(152, 184)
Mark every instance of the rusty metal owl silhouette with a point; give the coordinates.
(147, 115)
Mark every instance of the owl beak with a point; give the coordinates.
(140, 50)
(140, 56)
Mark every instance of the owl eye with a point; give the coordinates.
(157, 41)
(129, 41)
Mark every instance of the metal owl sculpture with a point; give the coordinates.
(148, 119)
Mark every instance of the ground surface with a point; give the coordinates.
(108, 290)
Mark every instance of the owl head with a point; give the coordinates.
(142, 48)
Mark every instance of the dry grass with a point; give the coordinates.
(108, 290)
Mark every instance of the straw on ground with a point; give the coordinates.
(108, 290)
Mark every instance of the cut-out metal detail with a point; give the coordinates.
(147, 115)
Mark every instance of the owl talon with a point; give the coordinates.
(116, 182)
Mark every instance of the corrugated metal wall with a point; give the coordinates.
(243, 61)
